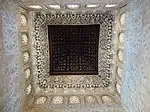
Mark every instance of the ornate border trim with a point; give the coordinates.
(105, 58)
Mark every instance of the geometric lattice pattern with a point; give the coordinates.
(73, 49)
(105, 52)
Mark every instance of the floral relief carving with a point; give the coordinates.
(24, 39)
(41, 45)
(41, 100)
(23, 20)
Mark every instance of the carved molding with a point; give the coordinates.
(105, 57)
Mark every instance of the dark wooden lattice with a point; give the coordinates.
(73, 49)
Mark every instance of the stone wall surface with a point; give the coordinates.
(2, 69)
(136, 88)
(10, 32)
(79, 108)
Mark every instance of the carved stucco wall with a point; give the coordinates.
(2, 70)
(14, 78)
(37, 104)
(136, 88)
(9, 12)
(78, 108)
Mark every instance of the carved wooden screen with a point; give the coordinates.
(73, 49)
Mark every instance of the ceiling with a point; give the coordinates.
(47, 90)
(66, 2)
(82, 4)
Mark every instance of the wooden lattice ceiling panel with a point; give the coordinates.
(73, 49)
